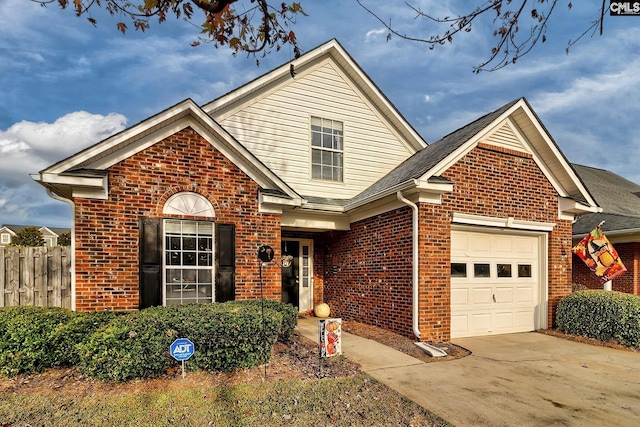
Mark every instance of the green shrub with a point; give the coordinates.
(25, 338)
(225, 337)
(603, 315)
(229, 336)
(65, 338)
(132, 346)
(289, 314)
(114, 347)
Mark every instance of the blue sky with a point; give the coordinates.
(65, 85)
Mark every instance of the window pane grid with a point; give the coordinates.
(188, 261)
(327, 146)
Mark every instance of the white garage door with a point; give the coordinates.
(495, 286)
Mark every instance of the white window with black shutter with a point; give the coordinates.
(188, 250)
(183, 260)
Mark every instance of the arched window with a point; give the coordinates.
(187, 203)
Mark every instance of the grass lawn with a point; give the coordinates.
(357, 400)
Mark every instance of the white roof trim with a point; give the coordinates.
(510, 222)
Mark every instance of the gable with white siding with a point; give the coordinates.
(275, 125)
(506, 135)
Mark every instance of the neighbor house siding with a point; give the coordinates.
(629, 282)
(276, 128)
(107, 230)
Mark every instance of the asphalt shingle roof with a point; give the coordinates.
(618, 197)
(424, 160)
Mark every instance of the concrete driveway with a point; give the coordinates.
(526, 379)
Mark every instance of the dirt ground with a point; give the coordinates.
(296, 360)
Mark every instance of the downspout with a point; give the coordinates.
(414, 262)
(73, 244)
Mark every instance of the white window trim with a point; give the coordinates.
(324, 149)
(165, 267)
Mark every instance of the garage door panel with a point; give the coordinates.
(524, 319)
(504, 320)
(501, 297)
(459, 324)
(460, 297)
(504, 295)
(502, 246)
(478, 246)
(480, 323)
(481, 296)
(525, 247)
(525, 295)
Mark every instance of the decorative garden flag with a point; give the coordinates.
(600, 256)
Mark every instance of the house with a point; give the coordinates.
(468, 236)
(50, 234)
(620, 202)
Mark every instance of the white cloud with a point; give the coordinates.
(49, 142)
(28, 147)
(373, 34)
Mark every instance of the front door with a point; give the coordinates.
(297, 273)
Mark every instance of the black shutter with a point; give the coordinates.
(225, 262)
(150, 262)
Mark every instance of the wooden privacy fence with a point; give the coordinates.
(35, 276)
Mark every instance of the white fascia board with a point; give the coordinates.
(79, 186)
(193, 116)
(242, 157)
(569, 206)
(431, 192)
(90, 193)
(510, 222)
(308, 221)
(73, 181)
(141, 144)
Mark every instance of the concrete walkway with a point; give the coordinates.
(527, 379)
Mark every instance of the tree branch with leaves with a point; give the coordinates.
(509, 16)
(250, 26)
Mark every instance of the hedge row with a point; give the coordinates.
(603, 315)
(119, 347)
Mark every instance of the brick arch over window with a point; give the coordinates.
(188, 203)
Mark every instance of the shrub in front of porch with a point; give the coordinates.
(225, 337)
(603, 315)
(121, 346)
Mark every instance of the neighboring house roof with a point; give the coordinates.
(619, 199)
(53, 230)
(424, 167)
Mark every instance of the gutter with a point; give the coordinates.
(73, 244)
(414, 263)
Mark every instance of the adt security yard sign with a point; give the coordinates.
(182, 349)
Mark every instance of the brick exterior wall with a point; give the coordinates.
(367, 271)
(629, 282)
(107, 231)
(377, 289)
